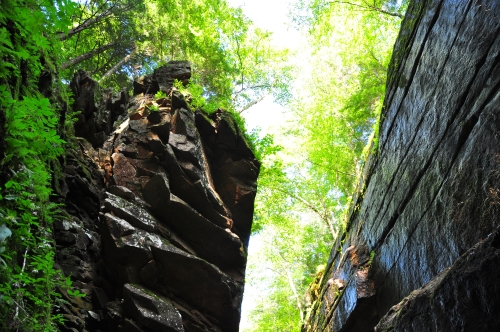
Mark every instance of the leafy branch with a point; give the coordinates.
(366, 6)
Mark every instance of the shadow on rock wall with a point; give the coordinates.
(428, 198)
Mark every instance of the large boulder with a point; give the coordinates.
(170, 230)
(157, 249)
(163, 78)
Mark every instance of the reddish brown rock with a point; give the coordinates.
(165, 242)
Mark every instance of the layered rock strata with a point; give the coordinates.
(428, 199)
(159, 213)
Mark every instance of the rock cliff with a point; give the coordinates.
(421, 249)
(159, 203)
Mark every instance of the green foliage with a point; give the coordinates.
(287, 254)
(372, 257)
(263, 147)
(343, 100)
(194, 94)
(153, 108)
(160, 94)
(234, 64)
(28, 279)
(307, 186)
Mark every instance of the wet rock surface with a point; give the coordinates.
(157, 228)
(430, 191)
(464, 297)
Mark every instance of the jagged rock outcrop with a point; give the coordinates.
(422, 228)
(95, 121)
(159, 212)
(163, 78)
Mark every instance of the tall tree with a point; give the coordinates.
(233, 62)
(336, 108)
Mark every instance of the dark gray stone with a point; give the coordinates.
(151, 310)
(156, 193)
(199, 283)
(430, 190)
(122, 192)
(134, 214)
(464, 297)
(163, 78)
(211, 242)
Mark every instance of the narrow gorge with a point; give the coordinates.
(132, 209)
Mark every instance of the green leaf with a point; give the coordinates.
(5, 37)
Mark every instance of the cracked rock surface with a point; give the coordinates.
(430, 191)
(159, 202)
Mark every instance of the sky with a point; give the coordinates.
(270, 15)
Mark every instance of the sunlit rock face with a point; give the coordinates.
(159, 212)
(422, 230)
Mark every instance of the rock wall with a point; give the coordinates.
(421, 248)
(159, 202)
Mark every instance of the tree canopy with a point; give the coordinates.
(305, 188)
(232, 60)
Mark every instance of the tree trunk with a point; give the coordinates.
(323, 216)
(115, 67)
(84, 25)
(87, 55)
(291, 283)
(253, 102)
(368, 7)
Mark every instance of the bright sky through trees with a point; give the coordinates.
(341, 56)
(272, 16)
(330, 83)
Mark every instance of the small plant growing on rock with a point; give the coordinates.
(153, 108)
(160, 94)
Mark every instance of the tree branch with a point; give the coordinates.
(322, 216)
(336, 170)
(93, 19)
(368, 7)
(267, 86)
(241, 62)
(118, 65)
(87, 55)
(291, 283)
(253, 102)
(85, 25)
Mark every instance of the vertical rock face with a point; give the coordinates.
(423, 227)
(159, 214)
